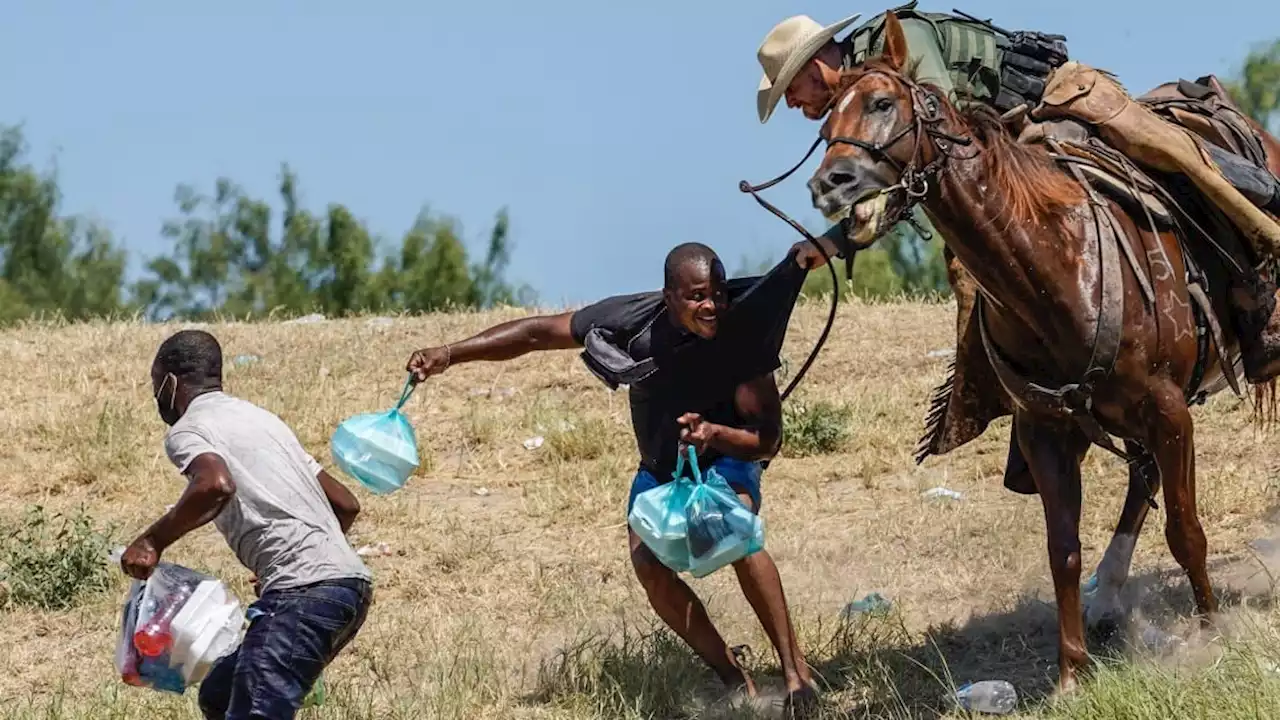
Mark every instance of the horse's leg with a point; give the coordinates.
(1053, 452)
(1104, 614)
(1173, 444)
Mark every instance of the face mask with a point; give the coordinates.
(168, 408)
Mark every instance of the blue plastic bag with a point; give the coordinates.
(378, 449)
(657, 516)
(696, 526)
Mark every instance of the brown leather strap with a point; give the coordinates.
(1075, 400)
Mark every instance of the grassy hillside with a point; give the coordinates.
(507, 592)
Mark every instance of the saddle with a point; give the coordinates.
(971, 396)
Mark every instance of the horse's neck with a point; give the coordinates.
(1022, 270)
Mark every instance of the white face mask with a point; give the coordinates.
(168, 410)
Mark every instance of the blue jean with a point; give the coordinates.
(742, 476)
(293, 634)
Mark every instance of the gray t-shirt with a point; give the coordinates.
(279, 523)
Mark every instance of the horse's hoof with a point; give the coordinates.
(1106, 629)
(1066, 688)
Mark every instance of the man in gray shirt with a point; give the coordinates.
(282, 514)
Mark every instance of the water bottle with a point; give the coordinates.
(996, 697)
(155, 638)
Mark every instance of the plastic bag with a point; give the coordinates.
(696, 526)
(378, 449)
(174, 627)
(657, 516)
(721, 530)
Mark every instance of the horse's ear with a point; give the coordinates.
(895, 42)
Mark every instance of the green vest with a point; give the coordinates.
(961, 57)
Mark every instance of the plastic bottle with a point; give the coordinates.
(155, 638)
(996, 697)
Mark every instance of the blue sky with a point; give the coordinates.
(612, 131)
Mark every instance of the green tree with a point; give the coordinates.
(227, 261)
(50, 264)
(1256, 88)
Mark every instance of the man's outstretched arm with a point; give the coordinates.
(501, 342)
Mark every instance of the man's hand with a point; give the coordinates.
(427, 362)
(140, 558)
(697, 432)
(808, 256)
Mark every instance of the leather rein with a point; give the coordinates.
(913, 178)
(1072, 400)
(914, 183)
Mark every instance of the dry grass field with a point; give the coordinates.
(507, 592)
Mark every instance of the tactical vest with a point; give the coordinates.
(982, 64)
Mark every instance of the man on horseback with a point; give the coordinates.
(1025, 76)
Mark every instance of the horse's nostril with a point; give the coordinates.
(840, 179)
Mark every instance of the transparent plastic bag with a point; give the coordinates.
(174, 627)
(696, 526)
(657, 516)
(378, 449)
(720, 529)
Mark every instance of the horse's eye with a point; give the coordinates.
(884, 104)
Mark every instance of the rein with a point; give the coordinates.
(913, 180)
(914, 183)
(754, 190)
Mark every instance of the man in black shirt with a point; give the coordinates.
(698, 374)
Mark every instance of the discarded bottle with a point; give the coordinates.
(155, 638)
(873, 603)
(995, 697)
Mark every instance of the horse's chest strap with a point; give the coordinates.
(1075, 400)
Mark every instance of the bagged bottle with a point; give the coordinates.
(378, 449)
(155, 637)
(173, 627)
(695, 525)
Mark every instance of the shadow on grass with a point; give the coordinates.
(867, 666)
(872, 666)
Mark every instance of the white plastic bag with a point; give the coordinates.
(174, 627)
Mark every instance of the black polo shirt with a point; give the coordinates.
(694, 374)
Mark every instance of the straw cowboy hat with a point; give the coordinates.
(785, 50)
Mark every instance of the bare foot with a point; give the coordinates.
(800, 703)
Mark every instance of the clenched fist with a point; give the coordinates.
(427, 362)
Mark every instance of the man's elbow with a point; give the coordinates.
(350, 510)
(550, 332)
(221, 486)
(767, 444)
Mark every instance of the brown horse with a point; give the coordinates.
(1087, 345)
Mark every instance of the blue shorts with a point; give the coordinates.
(742, 476)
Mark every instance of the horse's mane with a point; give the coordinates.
(1034, 189)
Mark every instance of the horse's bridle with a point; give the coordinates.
(914, 183)
(913, 179)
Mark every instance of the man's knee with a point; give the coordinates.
(754, 561)
(648, 569)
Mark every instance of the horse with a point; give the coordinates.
(1087, 345)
